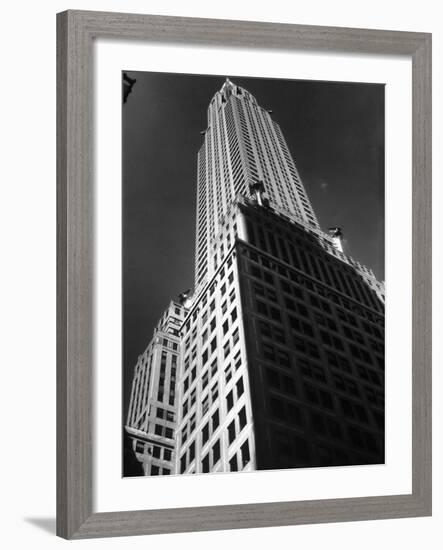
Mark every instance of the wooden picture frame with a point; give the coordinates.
(76, 32)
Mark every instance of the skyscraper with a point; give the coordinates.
(280, 348)
(242, 145)
(152, 418)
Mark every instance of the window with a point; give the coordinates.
(301, 326)
(204, 317)
(216, 452)
(139, 447)
(255, 271)
(205, 464)
(318, 396)
(192, 451)
(215, 420)
(301, 449)
(265, 329)
(318, 424)
(205, 433)
(261, 308)
(242, 418)
(205, 405)
(240, 388)
(155, 470)
(233, 314)
(312, 370)
(231, 431)
(228, 374)
(259, 289)
(273, 378)
(345, 384)
(354, 410)
(186, 366)
(192, 421)
(287, 385)
(194, 353)
(205, 380)
(226, 349)
(235, 337)
(233, 466)
(285, 287)
(213, 367)
(279, 335)
(229, 400)
(333, 427)
(268, 352)
(214, 392)
(376, 398)
(245, 456)
(275, 314)
(283, 445)
(331, 340)
(294, 413)
(214, 344)
(167, 454)
(338, 362)
(277, 408)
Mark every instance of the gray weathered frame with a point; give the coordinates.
(76, 32)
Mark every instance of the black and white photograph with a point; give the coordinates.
(221, 304)
(253, 274)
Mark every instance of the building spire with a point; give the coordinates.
(228, 86)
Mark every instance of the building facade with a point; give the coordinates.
(280, 351)
(152, 414)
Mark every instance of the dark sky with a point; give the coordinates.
(335, 132)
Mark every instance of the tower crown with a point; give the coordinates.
(227, 85)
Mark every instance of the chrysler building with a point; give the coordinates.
(276, 359)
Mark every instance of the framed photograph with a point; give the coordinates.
(244, 274)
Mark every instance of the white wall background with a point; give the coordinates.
(27, 299)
